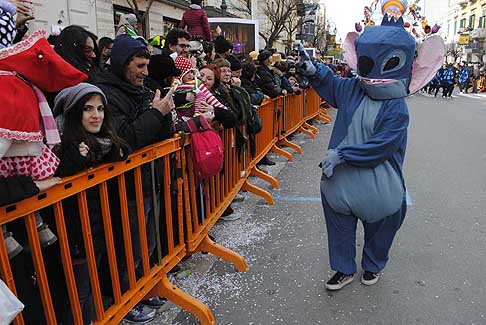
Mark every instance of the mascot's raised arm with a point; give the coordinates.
(362, 172)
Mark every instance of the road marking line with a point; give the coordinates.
(296, 199)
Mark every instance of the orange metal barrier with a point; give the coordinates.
(193, 211)
(323, 114)
(482, 84)
(206, 201)
(154, 279)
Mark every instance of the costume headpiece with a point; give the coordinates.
(26, 68)
(393, 8)
(387, 59)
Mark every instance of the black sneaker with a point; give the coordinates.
(369, 278)
(267, 162)
(154, 302)
(140, 315)
(339, 280)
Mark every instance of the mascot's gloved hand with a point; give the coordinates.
(306, 67)
(331, 161)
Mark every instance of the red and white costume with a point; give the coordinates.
(26, 122)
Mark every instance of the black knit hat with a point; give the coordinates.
(248, 70)
(221, 44)
(264, 55)
(235, 63)
(161, 67)
(123, 48)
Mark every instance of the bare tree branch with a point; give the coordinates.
(290, 27)
(149, 5)
(277, 13)
(136, 10)
(134, 6)
(243, 9)
(319, 41)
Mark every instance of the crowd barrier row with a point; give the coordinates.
(182, 225)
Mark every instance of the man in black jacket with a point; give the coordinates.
(141, 119)
(265, 78)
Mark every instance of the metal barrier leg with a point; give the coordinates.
(207, 245)
(166, 289)
(323, 116)
(325, 105)
(258, 191)
(310, 127)
(305, 131)
(281, 152)
(262, 175)
(289, 144)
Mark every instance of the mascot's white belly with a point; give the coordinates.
(370, 194)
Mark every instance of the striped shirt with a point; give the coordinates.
(210, 99)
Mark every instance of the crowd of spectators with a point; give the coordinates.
(465, 75)
(137, 92)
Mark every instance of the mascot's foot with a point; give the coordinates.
(339, 281)
(369, 278)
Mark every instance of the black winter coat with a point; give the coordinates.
(14, 189)
(265, 79)
(136, 122)
(256, 94)
(71, 163)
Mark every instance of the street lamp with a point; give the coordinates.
(223, 7)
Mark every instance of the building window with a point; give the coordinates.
(472, 18)
(482, 20)
(462, 23)
(455, 27)
(169, 24)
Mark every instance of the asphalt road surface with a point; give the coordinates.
(437, 269)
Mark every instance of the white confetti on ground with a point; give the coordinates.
(243, 236)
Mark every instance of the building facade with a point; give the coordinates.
(464, 30)
(101, 16)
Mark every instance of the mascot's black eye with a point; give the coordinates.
(391, 63)
(365, 65)
(394, 61)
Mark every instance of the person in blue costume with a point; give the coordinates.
(362, 174)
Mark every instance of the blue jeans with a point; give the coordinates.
(378, 239)
(85, 295)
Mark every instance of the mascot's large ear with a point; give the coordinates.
(349, 48)
(430, 56)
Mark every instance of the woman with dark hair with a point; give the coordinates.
(78, 47)
(83, 121)
(88, 139)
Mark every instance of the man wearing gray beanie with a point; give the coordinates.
(140, 118)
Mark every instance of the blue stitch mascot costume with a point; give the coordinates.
(362, 172)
